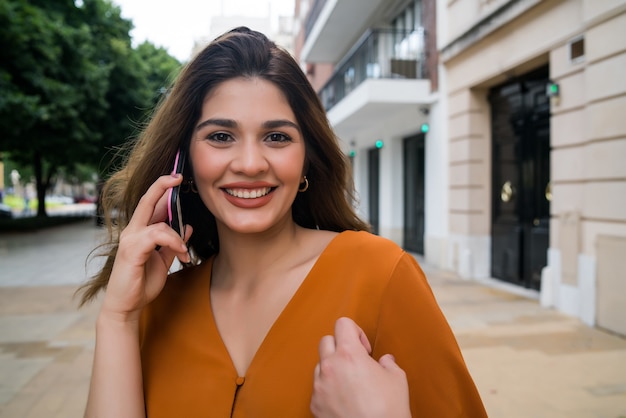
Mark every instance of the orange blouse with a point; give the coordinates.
(188, 373)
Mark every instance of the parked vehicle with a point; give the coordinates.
(5, 211)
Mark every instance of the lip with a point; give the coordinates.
(246, 185)
(249, 203)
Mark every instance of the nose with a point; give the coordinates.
(250, 158)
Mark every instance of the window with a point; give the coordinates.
(577, 50)
(408, 38)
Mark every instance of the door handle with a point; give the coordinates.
(548, 191)
(507, 192)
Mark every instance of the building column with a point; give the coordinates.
(470, 183)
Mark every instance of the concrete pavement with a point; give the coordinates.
(527, 361)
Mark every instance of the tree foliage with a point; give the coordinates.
(72, 86)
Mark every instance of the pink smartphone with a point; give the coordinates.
(174, 215)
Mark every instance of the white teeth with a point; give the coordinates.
(247, 193)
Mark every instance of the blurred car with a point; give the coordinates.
(85, 199)
(59, 200)
(5, 211)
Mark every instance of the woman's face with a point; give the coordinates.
(247, 153)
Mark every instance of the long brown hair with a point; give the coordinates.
(327, 204)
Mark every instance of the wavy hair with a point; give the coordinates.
(328, 203)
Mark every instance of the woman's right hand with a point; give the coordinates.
(146, 250)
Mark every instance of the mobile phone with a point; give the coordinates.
(174, 214)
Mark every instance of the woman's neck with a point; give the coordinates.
(246, 260)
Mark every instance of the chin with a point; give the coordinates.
(250, 230)
(255, 226)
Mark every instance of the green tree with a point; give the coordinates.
(161, 68)
(72, 85)
(50, 81)
(137, 80)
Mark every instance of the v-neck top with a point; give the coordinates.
(187, 371)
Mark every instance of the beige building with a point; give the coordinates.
(486, 135)
(536, 101)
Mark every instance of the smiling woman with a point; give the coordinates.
(254, 159)
(286, 306)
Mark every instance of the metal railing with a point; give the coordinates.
(380, 53)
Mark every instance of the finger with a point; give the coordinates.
(146, 207)
(326, 346)
(176, 247)
(388, 361)
(164, 238)
(160, 209)
(364, 341)
(348, 334)
(182, 252)
(188, 230)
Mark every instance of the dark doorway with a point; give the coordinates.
(373, 166)
(413, 152)
(521, 179)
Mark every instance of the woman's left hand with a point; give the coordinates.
(350, 383)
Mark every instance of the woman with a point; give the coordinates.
(285, 301)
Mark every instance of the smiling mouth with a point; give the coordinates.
(249, 193)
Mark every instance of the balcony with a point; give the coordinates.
(379, 54)
(313, 16)
(382, 74)
(332, 26)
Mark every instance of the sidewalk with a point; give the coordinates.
(46, 343)
(527, 361)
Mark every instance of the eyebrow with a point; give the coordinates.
(229, 123)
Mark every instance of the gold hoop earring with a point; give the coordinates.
(305, 187)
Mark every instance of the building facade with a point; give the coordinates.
(536, 95)
(374, 63)
(486, 135)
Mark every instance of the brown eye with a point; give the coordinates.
(219, 137)
(278, 137)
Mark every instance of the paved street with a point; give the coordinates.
(527, 361)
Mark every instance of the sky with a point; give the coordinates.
(175, 24)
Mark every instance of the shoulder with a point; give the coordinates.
(182, 287)
(363, 256)
(366, 243)
(183, 294)
(188, 275)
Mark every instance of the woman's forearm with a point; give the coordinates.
(116, 383)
